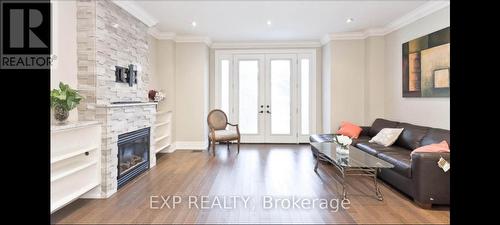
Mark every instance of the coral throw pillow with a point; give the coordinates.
(440, 147)
(349, 130)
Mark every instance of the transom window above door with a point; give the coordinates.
(271, 94)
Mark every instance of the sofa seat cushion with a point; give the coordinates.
(375, 149)
(360, 139)
(411, 136)
(401, 159)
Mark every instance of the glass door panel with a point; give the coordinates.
(280, 96)
(248, 71)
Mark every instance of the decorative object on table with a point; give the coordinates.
(343, 143)
(63, 100)
(426, 65)
(386, 136)
(156, 96)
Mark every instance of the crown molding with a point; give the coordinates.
(414, 15)
(153, 31)
(137, 12)
(281, 44)
(193, 39)
(420, 12)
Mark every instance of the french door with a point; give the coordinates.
(264, 93)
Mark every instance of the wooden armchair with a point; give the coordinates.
(217, 123)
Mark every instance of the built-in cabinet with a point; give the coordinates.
(75, 153)
(163, 129)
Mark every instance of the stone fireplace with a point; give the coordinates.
(108, 36)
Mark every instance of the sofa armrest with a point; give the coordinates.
(431, 184)
(365, 131)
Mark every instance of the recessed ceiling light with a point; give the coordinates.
(269, 23)
(349, 20)
(193, 23)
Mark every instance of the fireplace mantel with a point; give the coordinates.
(126, 105)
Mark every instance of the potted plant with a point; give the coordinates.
(63, 100)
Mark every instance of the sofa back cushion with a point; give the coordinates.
(436, 135)
(380, 124)
(412, 136)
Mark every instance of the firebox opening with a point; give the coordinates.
(133, 155)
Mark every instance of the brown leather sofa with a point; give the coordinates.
(418, 174)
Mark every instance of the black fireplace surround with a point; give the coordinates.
(133, 155)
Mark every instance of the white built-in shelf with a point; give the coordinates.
(72, 173)
(162, 123)
(161, 138)
(65, 200)
(162, 147)
(60, 174)
(72, 154)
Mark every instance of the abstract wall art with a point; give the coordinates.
(426, 65)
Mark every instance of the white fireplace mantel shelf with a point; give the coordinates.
(126, 105)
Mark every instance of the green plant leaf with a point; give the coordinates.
(66, 97)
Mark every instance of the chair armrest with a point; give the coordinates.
(237, 127)
(431, 184)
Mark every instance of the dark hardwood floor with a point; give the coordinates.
(279, 171)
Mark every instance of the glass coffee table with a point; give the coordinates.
(355, 163)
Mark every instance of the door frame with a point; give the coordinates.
(309, 53)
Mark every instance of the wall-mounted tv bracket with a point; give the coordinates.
(126, 75)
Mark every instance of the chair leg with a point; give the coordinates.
(209, 142)
(213, 147)
(238, 146)
(227, 145)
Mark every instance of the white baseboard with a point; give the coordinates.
(190, 145)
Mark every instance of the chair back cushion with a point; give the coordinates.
(217, 119)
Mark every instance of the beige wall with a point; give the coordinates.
(347, 82)
(64, 47)
(374, 79)
(433, 112)
(165, 69)
(191, 94)
(154, 78)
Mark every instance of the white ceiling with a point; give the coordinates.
(227, 21)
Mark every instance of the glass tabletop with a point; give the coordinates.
(355, 157)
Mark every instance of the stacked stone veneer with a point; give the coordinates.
(117, 120)
(108, 36)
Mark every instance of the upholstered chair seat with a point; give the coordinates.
(217, 123)
(226, 135)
